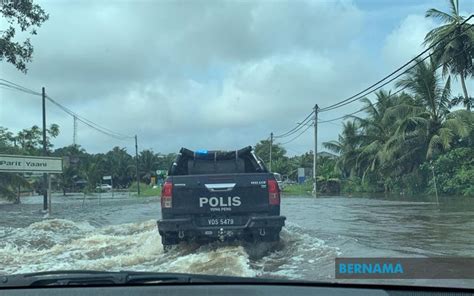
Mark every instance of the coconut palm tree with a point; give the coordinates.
(453, 44)
(117, 161)
(467, 103)
(376, 130)
(347, 146)
(425, 126)
(148, 162)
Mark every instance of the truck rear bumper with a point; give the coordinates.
(187, 227)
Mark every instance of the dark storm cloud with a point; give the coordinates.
(193, 73)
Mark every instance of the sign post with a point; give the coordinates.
(33, 164)
(49, 194)
(30, 164)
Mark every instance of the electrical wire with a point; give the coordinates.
(299, 135)
(294, 130)
(356, 96)
(13, 86)
(379, 87)
(89, 123)
(389, 96)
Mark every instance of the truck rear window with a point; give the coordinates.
(216, 162)
(199, 167)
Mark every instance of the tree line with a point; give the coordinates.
(83, 170)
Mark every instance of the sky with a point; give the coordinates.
(209, 74)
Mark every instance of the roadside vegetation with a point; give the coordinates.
(414, 139)
(83, 171)
(410, 140)
(298, 189)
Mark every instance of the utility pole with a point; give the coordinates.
(74, 135)
(271, 146)
(315, 156)
(45, 152)
(136, 156)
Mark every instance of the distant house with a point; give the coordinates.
(327, 154)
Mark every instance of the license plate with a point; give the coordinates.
(220, 221)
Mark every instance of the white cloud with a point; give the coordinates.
(406, 41)
(211, 74)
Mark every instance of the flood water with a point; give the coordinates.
(120, 233)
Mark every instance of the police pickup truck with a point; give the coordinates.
(219, 195)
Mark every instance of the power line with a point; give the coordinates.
(380, 86)
(89, 123)
(19, 87)
(356, 96)
(299, 135)
(13, 87)
(342, 117)
(298, 127)
(389, 96)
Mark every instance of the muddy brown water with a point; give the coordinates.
(120, 233)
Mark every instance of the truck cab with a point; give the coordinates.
(219, 195)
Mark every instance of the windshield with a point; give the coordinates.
(355, 117)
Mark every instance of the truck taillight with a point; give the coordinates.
(167, 195)
(273, 193)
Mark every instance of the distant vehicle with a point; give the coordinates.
(104, 187)
(217, 195)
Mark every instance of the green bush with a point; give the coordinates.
(454, 172)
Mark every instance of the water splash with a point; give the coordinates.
(56, 244)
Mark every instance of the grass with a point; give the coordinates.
(145, 190)
(298, 189)
(150, 191)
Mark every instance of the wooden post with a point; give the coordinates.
(49, 194)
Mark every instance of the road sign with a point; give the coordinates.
(301, 175)
(107, 178)
(38, 164)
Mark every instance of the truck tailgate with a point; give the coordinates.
(225, 194)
